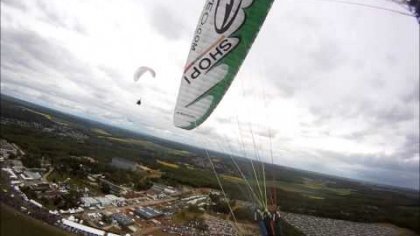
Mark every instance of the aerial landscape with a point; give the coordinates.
(213, 117)
(56, 166)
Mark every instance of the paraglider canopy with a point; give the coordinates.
(223, 37)
(141, 71)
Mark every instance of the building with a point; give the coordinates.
(89, 202)
(36, 203)
(82, 229)
(50, 194)
(103, 201)
(147, 212)
(29, 175)
(7, 149)
(194, 199)
(112, 234)
(170, 191)
(12, 174)
(122, 219)
(40, 186)
(17, 166)
(15, 182)
(159, 189)
(198, 200)
(115, 200)
(90, 178)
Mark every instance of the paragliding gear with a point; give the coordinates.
(263, 228)
(259, 218)
(268, 223)
(223, 37)
(277, 223)
(221, 188)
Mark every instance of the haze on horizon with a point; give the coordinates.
(336, 87)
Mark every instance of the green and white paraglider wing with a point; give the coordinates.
(225, 32)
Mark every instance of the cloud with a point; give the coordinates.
(166, 23)
(413, 95)
(372, 167)
(327, 56)
(16, 4)
(56, 16)
(25, 47)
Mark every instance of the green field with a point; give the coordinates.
(14, 223)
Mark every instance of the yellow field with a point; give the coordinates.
(189, 166)
(145, 144)
(179, 152)
(185, 216)
(167, 164)
(100, 131)
(232, 178)
(316, 197)
(318, 185)
(125, 140)
(315, 185)
(39, 113)
(341, 191)
(144, 168)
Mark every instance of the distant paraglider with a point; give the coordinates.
(139, 73)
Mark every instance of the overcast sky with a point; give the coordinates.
(335, 86)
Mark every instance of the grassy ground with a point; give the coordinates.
(14, 223)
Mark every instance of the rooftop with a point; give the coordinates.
(122, 219)
(84, 228)
(29, 175)
(147, 212)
